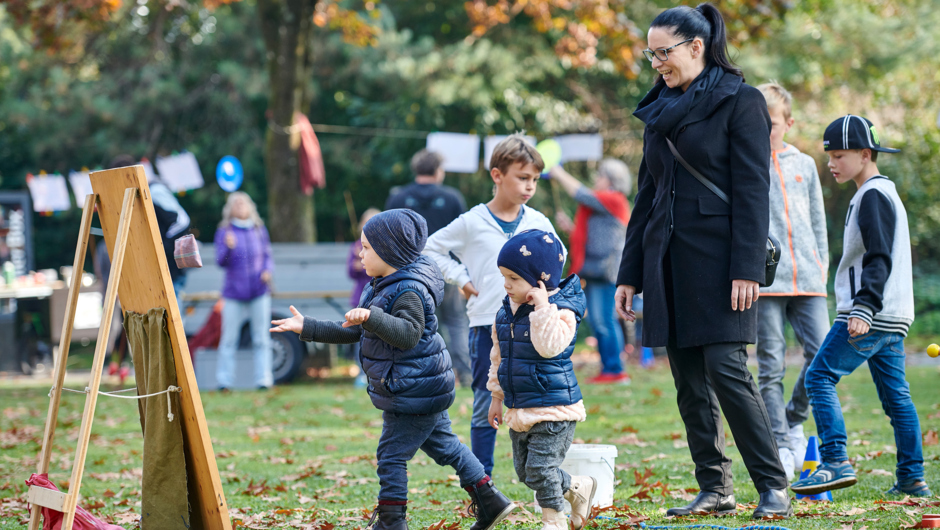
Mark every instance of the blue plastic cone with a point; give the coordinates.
(810, 461)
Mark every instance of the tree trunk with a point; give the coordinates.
(287, 28)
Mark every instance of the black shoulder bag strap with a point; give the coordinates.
(700, 177)
(773, 247)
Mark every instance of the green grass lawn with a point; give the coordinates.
(303, 456)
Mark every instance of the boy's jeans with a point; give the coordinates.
(839, 356)
(482, 434)
(403, 435)
(604, 323)
(809, 317)
(234, 313)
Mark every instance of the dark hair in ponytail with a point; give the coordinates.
(704, 22)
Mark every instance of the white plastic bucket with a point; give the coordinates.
(596, 461)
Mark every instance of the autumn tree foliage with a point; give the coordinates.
(586, 30)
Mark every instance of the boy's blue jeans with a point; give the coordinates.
(403, 435)
(604, 323)
(482, 434)
(839, 356)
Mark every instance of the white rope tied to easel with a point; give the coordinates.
(169, 407)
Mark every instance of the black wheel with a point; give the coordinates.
(287, 352)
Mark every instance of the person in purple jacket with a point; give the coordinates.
(243, 249)
(357, 274)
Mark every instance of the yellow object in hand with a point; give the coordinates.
(933, 350)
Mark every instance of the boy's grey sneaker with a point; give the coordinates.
(826, 477)
(914, 488)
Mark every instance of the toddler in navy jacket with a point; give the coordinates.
(532, 374)
(409, 369)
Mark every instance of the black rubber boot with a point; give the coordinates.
(489, 506)
(706, 503)
(387, 517)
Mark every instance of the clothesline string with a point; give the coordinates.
(402, 133)
(171, 388)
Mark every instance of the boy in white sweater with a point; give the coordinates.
(475, 238)
(531, 372)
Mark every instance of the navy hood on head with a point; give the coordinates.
(422, 270)
(570, 295)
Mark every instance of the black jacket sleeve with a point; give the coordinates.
(749, 130)
(631, 261)
(876, 222)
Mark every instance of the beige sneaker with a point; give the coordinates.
(552, 520)
(581, 496)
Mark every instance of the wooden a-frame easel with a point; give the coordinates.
(140, 274)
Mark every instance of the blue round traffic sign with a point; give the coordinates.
(229, 173)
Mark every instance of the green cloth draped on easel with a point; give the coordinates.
(165, 502)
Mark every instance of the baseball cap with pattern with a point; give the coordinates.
(853, 132)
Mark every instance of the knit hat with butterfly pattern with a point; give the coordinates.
(534, 255)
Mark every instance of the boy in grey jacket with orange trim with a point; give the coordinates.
(798, 294)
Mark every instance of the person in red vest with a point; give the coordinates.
(597, 234)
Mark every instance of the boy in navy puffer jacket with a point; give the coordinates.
(531, 372)
(410, 374)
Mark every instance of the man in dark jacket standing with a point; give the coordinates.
(699, 259)
(439, 205)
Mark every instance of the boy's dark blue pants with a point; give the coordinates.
(403, 435)
(482, 434)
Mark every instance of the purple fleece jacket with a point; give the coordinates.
(244, 264)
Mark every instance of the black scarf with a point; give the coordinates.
(663, 107)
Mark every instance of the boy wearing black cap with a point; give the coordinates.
(531, 372)
(875, 304)
(409, 369)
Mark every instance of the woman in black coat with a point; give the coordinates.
(698, 260)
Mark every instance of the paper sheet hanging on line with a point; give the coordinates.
(489, 143)
(49, 193)
(581, 147)
(81, 185)
(461, 152)
(180, 172)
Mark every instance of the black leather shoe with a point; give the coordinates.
(774, 504)
(706, 503)
(489, 506)
(388, 518)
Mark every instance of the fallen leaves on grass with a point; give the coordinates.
(630, 439)
(931, 438)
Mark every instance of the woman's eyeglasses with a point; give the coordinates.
(663, 53)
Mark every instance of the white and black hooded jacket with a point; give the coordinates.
(874, 281)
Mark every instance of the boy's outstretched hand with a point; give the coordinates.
(294, 323)
(356, 316)
(495, 415)
(537, 295)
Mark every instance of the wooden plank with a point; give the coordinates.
(47, 498)
(145, 284)
(97, 366)
(58, 377)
